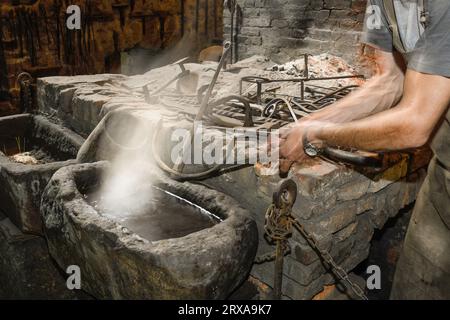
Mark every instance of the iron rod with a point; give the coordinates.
(278, 281)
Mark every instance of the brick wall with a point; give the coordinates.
(282, 29)
(340, 207)
(34, 37)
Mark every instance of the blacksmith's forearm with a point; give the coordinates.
(378, 94)
(394, 129)
(408, 125)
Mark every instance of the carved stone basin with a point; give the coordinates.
(193, 242)
(32, 148)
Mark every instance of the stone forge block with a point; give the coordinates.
(31, 149)
(118, 263)
(26, 269)
(77, 100)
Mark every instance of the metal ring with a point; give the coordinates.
(255, 79)
(286, 194)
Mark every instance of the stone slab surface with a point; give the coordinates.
(26, 269)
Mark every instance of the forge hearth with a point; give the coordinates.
(340, 205)
(32, 149)
(206, 260)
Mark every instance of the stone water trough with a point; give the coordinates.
(192, 242)
(32, 148)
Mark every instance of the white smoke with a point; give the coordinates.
(126, 187)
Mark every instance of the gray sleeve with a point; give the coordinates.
(376, 31)
(431, 54)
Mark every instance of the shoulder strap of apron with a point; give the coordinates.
(393, 25)
(425, 14)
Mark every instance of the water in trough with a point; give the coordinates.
(163, 215)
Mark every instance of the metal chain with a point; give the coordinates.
(329, 260)
(279, 229)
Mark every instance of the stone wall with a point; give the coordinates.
(34, 37)
(283, 29)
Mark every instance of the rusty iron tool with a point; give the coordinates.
(231, 5)
(356, 158)
(205, 101)
(179, 165)
(182, 74)
(260, 81)
(278, 228)
(368, 159)
(373, 160)
(243, 102)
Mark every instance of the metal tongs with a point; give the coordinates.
(367, 160)
(179, 165)
(372, 160)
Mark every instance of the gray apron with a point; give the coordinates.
(423, 270)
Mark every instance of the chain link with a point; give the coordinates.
(278, 226)
(329, 260)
